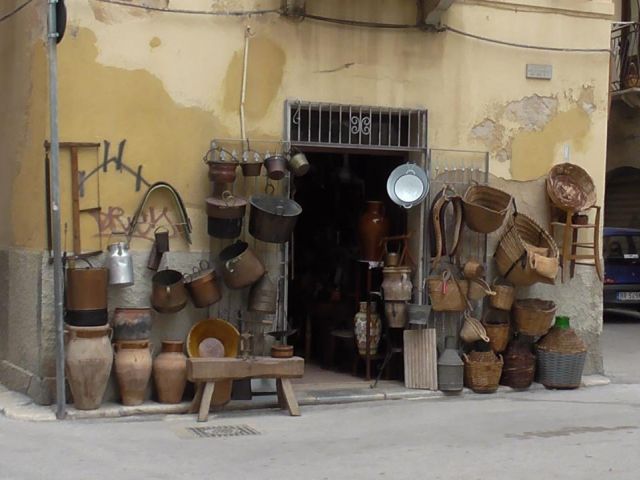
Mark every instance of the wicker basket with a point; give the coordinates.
(521, 240)
(499, 335)
(570, 187)
(505, 295)
(533, 316)
(519, 365)
(446, 293)
(561, 356)
(482, 371)
(472, 330)
(484, 208)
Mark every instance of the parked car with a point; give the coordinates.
(621, 252)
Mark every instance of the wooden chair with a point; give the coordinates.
(573, 224)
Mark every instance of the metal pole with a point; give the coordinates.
(58, 273)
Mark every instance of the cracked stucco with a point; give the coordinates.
(529, 132)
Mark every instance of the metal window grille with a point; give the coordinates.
(356, 126)
(625, 45)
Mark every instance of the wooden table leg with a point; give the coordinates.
(197, 398)
(288, 396)
(205, 404)
(281, 400)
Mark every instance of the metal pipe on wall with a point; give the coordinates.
(58, 272)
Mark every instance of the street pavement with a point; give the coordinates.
(590, 433)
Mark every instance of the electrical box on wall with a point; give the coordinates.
(539, 71)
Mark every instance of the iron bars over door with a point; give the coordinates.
(356, 126)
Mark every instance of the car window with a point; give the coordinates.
(622, 247)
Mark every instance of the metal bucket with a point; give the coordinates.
(418, 314)
(263, 296)
(273, 218)
(120, 264)
(86, 288)
(240, 266)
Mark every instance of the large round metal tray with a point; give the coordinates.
(408, 185)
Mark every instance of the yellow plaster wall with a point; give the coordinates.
(169, 83)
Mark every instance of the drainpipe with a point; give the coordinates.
(58, 273)
(247, 36)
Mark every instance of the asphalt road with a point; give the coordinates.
(590, 433)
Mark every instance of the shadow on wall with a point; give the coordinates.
(622, 198)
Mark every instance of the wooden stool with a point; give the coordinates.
(571, 243)
(206, 371)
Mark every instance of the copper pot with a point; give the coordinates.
(168, 294)
(222, 172)
(86, 288)
(202, 285)
(276, 166)
(240, 266)
(251, 169)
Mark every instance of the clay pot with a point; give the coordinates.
(397, 284)
(372, 226)
(360, 327)
(133, 370)
(131, 323)
(170, 372)
(396, 314)
(88, 362)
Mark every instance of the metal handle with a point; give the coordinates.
(230, 263)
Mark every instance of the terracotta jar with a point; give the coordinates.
(396, 284)
(360, 327)
(170, 372)
(372, 226)
(88, 362)
(133, 370)
(131, 323)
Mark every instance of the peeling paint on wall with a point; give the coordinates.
(529, 132)
(265, 69)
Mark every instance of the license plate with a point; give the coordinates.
(628, 295)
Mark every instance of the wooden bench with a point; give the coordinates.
(206, 372)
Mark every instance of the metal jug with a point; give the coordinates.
(120, 264)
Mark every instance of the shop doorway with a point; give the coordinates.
(327, 278)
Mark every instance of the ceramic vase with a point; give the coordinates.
(88, 362)
(170, 372)
(372, 226)
(360, 327)
(450, 368)
(396, 283)
(133, 370)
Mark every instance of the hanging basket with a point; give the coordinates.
(485, 208)
(447, 294)
(526, 253)
(505, 295)
(570, 187)
(499, 335)
(533, 316)
(482, 371)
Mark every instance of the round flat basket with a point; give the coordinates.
(570, 187)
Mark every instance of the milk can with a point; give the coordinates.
(120, 264)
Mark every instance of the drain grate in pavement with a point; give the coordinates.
(222, 431)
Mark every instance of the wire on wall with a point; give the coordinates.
(239, 13)
(6, 16)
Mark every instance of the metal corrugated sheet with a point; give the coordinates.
(420, 359)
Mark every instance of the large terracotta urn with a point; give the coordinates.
(88, 362)
(372, 226)
(360, 327)
(133, 370)
(170, 372)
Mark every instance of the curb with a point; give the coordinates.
(17, 406)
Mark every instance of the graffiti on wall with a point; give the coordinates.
(114, 220)
(120, 166)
